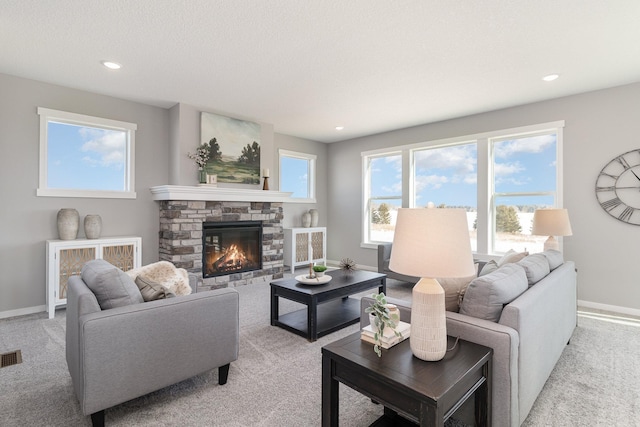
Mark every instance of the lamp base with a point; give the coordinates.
(428, 339)
(551, 243)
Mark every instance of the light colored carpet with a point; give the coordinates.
(276, 380)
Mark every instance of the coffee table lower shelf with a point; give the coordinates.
(331, 316)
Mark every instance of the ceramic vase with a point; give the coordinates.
(314, 217)
(68, 223)
(306, 220)
(92, 226)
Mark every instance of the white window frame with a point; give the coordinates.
(311, 172)
(485, 186)
(48, 115)
(366, 191)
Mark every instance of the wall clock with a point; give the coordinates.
(618, 187)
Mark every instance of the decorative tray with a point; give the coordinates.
(315, 281)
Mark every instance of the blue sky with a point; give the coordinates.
(294, 175)
(85, 158)
(448, 174)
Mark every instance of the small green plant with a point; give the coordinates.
(382, 318)
(319, 268)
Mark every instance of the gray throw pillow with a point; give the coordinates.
(535, 266)
(151, 290)
(111, 286)
(489, 267)
(554, 257)
(486, 295)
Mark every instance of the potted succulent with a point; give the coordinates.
(382, 315)
(319, 270)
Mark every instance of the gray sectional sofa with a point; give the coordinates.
(527, 334)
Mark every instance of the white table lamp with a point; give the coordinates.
(551, 222)
(430, 243)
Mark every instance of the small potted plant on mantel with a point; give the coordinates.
(381, 316)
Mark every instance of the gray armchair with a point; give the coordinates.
(122, 353)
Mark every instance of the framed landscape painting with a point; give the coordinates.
(234, 148)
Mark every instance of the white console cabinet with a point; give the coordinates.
(303, 246)
(65, 258)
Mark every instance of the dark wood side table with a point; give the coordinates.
(427, 393)
(329, 307)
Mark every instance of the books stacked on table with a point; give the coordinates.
(388, 339)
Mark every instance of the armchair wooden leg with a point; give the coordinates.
(97, 419)
(223, 373)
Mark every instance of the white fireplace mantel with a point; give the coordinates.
(208, 193)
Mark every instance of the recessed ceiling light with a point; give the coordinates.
(339, 127)
(550, 77)
(111, 65)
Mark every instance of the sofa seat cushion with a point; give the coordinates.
(535, 266)
(176, 280)
(111, 286)
(486, 295)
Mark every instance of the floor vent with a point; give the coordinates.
(12, 358)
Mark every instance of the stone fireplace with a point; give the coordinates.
(182, 231)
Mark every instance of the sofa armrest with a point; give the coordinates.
(130, 351)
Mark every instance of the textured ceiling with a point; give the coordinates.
(309, 66)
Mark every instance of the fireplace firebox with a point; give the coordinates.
(231, 247)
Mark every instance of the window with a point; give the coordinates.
(298, 175)
(499, 178)
(524, 179)
(447, 177)
(84, 156)
(383, 195)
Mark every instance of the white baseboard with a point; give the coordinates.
(23, 311)
(607, 307)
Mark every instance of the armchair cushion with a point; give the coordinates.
(111, 286)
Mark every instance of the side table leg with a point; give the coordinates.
(330, 397)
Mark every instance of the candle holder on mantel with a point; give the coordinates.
(265, 186)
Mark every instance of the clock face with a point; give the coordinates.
(618, 187)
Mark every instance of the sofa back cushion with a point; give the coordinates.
(535, 266)
(486, 295)
(454, 289)
(554, 257)
(111, 286)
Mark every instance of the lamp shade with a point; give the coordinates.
(551, 222)
(432, 243)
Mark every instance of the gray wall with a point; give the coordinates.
(162, 140)
(598, 126)
(27, 221)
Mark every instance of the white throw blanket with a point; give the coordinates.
(165, 273)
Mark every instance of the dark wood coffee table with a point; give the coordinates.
(329, 307)
(424, 392)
